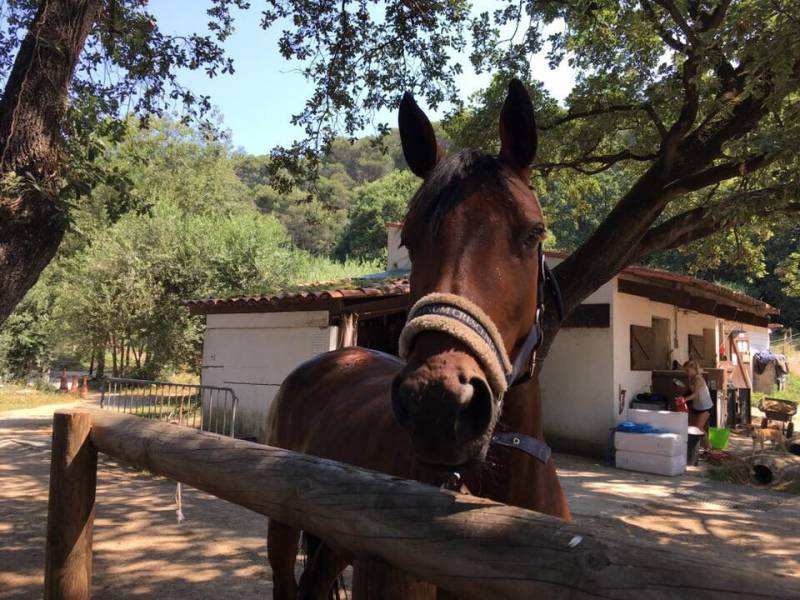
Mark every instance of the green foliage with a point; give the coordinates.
(318, 214)
(26, 337)
(142, 270)
(789, 272)
(376, 204)
(118, 286)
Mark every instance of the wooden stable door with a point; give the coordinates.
(642, 348)
(702, 348)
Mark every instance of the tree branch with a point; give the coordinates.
(605, 161)
(662, 130)
(679, 19)
(614, 108)
(574, 115)
(688, 114)
(714, 20)
(716, 174)
(706, 220)
(663, 33)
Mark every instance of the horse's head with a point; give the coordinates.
(474, 232)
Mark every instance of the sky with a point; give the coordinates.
(258, 100)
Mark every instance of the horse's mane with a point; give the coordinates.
(447, 186)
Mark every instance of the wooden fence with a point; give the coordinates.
(471, 546)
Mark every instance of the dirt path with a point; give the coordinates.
(742, 526)
(140, 551)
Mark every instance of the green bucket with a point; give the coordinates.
(718, 437)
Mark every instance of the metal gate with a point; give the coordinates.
(203, 407)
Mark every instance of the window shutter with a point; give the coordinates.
(710, 348)
(697, 346)
(642, 348)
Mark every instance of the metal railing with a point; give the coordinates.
(203, 407)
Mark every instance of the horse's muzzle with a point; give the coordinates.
(447, 409)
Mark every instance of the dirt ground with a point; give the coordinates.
(140, 551)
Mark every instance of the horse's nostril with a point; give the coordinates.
(475, 415)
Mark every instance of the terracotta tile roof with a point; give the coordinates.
(693, 282)
(339, 294)
(323, 295)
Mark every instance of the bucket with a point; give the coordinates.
(696, 435)
(718, 437)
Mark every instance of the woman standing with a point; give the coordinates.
(700, 398)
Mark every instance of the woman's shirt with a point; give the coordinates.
(703, 400)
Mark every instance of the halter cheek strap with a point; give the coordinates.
(524, 443)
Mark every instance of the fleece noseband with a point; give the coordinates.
(465, 321)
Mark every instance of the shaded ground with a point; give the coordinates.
(140, 551)
(740, 525)
(220, 550)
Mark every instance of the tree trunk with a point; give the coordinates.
(611, 248)
(32, 110)
(101, 361)
(126, 366)
(114, 371)
(137, 356)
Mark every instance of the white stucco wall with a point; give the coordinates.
(252, 353)
(397, 255)
(587, 368)
(630, 310)
(577, 387)
(576, 382)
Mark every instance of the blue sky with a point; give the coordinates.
(258, 100)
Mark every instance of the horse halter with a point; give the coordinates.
(465, 321)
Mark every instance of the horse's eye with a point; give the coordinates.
(535, 235)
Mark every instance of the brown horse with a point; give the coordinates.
(459, 403)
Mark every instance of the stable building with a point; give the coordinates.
(609, 351)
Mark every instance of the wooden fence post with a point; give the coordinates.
(70, 514)
(376, 580)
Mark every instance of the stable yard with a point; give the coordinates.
(220, 551)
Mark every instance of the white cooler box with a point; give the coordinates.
(673, 422)
(662, 444)
(651, 463)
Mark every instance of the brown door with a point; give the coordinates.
(642, 348)
(710, 348)
(697, 348)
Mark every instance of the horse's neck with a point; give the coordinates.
(522, 409)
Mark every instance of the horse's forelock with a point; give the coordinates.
(449, 183)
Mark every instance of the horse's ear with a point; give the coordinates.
(420, 148)
(518, 139)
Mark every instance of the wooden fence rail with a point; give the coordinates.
(474, 547)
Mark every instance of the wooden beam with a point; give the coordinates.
(656, 293)
(368, 307)
(333, 305)
(690, 301)
(70, 512)
(471, 546)
(702, 305)
(725, 312)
